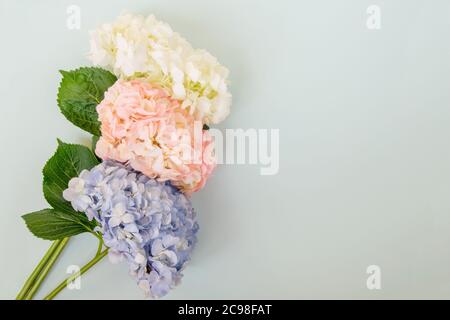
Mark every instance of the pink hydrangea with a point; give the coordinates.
(143, 126)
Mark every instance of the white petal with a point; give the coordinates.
(140, 258)
(127, 218)
(114, 221)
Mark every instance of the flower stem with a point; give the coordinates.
(46, 269)
(68, 280)
(100, 244)
(37, 270)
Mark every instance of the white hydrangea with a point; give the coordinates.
(137, 47)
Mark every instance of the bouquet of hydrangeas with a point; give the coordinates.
(148, 102)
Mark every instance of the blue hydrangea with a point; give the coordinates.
(149, 224)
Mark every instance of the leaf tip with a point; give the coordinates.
(60, 142)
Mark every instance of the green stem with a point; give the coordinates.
(44, 272)
(68, 280)
(100, 244)
(37, 270)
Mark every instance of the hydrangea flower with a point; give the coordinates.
(137, 47)
(143, 126)
(147, 223)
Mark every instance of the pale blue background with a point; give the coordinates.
(365, 160)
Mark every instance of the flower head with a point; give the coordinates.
(149, 224)
(137, 47)
(143, 126)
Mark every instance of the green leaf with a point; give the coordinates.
(94, 146)
(80, 92)
(51, 224)
(67, 163)
(94, 142)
